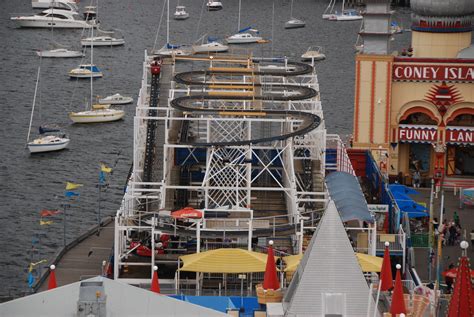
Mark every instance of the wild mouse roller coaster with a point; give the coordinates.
(242, 140)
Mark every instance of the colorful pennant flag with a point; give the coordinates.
(101, 178)
(70, 185)
(70, 194)
(31, 278)
(104, 168)
(45, 223)
(47, 213)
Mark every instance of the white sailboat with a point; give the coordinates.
(44, 143)
(328, 13)
(168, 49)
(97, 113)
(346, 14)
(58, 50)
(103, 38)
(243, 36)
(294, 23)
(200, 46)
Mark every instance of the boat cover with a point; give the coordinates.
(345, 190)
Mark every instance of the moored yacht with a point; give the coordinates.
(98, 114)
(214, 5)
(244, 36)
(86, 71)
(56, 4)
(52, 18)
(180, 13)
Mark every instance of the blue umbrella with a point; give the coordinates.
(402, 189)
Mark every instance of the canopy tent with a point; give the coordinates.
(346, 193)
(225, 260)
(397, 188)
(368, 263)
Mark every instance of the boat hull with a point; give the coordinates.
(85, 75)
(348, 18)
(59, 53)
(77, 117)
(123, 101)
(214, 8)
(114, 42)
(181, 16)
(27, 23)
(294, 25)
(206, 48)
(243, 40)
(41, 148)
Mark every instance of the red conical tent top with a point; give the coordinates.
(52, 278)
(462, 300)
(398, 302)
(270, 280)
(155, 286)
(386, 273)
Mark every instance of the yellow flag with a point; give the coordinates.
(104, 168)
(70, 185)
(44, 223)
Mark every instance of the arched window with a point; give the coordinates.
(419, 118)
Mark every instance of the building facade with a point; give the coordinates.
(415, 110)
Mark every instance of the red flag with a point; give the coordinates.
(270, 280)
(398, 301)
(386, 273)
(52, 278)
(47, 213)
(155, 285)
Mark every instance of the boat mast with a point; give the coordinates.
(343, 6)
(34, 102)
(291, 10)
(92, 62)
(168, 22)
(238, 24)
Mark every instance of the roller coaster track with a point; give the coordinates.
(310, 121)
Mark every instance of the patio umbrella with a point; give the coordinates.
(402, 189)
(398, 301)
(270, 279)
(187, 213)
(386, 272)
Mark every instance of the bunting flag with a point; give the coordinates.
(70, 194)
(101, 178)
(45, 223)
(31, 279)
(70, 186)
(104, 168)
(47, 213)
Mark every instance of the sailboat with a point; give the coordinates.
(328, 13)
(45, 142)
(105, 38)
(243, 36)
(97, 113)
(58, 50)
(200, 46)
(294, 23)
(168, 49)
(346, 14)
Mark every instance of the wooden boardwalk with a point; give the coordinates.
(83, 257)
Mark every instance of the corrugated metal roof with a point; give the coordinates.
(345, 190)
(121, 300)
(329, 266)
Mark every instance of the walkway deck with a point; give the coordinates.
(83, 259)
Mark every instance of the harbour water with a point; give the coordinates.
(30, 183)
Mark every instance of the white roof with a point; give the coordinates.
(329, 276)
(121, 300)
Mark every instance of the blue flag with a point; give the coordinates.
(101, 178)
(70, 194)
(31, 279)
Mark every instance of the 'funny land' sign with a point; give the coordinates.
(433, 72)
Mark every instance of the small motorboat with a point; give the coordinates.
(244, 36)
(48, 143)
(214, 5)
(103, 40)
(90, 12)
(180, 13)
(116, 99)
(313, 53)
(53, 18)
(86, 71)
(347, 15)
(294, 24)
(98, 114)
(59, 53)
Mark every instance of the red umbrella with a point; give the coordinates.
(187, 213)
(386, 273)
(398, 301)
(454, 272)
(155, 285)
(52, 278)
(270, 279)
